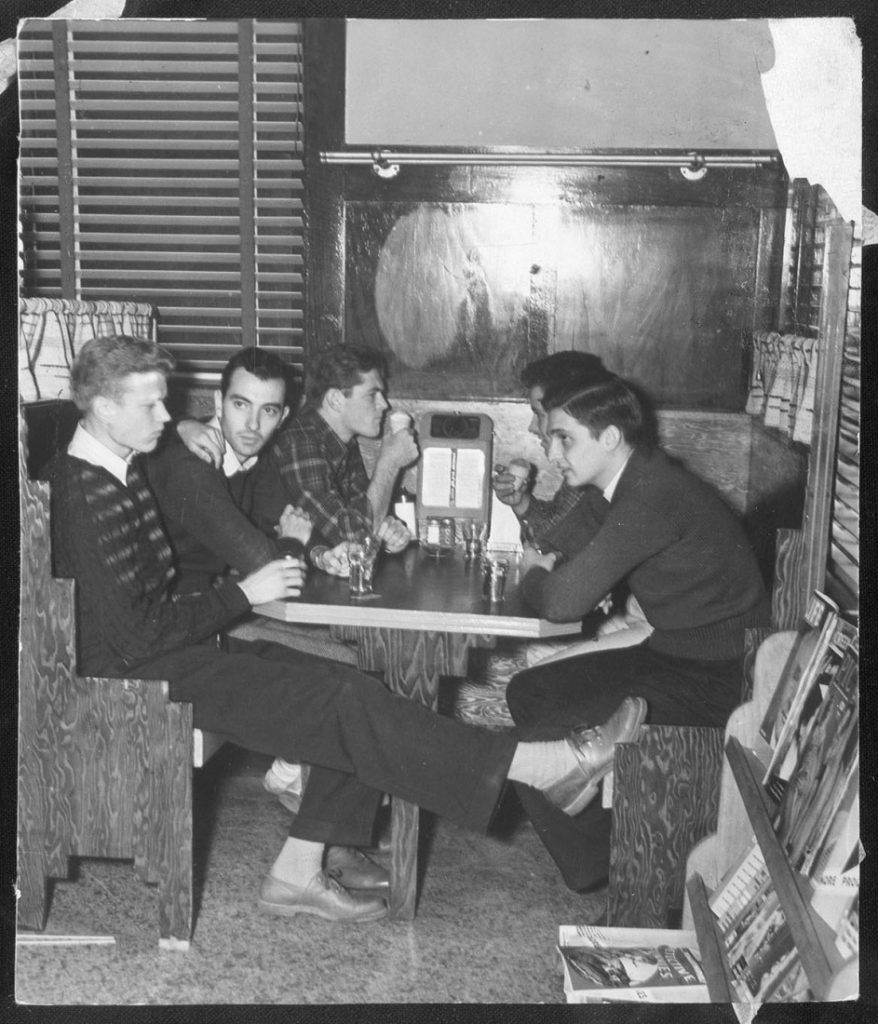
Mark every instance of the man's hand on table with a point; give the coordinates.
(532, 558)
(333, 561)
(284, 577)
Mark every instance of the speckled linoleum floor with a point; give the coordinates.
(485, 930)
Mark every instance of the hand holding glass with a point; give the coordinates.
(511, 481)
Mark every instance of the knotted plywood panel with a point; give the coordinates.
(665, 798)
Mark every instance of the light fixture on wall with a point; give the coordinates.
(692, 164)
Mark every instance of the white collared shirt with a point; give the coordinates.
(610, 489)
(231, 463)
(87, 447)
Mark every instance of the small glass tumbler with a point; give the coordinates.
(494, 579)
(439, 538)
(497, 586)
(473, 531)
(362, 554)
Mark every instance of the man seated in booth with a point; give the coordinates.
(207, 508)
(360, 739)
(317, 460)
(684, 556)
(205, 511)
(315, 463)
(546, 522)
(541, 518)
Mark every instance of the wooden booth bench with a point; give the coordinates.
(105, 765)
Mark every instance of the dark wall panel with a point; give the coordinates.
(463, 295)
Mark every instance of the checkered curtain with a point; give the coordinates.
(783, 373)
(51, 332)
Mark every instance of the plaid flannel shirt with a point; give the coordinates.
(323, 475)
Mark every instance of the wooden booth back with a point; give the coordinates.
(105, 765)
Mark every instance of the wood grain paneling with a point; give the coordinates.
(462, 296)
(788, 596)
(105, 765)
(665, 799)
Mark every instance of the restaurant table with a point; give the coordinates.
(424, 616)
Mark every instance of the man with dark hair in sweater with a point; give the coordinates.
(685, 558)
(360, 739)
(547, 523)
(206, 511)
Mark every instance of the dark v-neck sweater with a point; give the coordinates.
(108, 537)
(682, 552)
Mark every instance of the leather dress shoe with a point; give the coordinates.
(322, 897)
(593, 747)
(351, 868)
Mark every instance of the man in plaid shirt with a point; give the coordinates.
(316, 462)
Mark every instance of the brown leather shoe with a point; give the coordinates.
(351, 868)
(322, 897)
(594, 747)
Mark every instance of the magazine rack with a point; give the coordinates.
(750, 811)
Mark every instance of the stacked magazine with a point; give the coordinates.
(813, 725)
(764, 963)
(607, 965)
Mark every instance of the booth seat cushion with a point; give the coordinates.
(50, 425)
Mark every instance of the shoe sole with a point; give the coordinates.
(585, 797)
(291, 910)
(382, 892)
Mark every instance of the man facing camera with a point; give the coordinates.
(207, 509)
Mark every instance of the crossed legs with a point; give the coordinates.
(546, 700)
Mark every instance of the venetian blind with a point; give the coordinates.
(161, 161)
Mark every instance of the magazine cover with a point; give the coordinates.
(827, 761)
(793, 724)
(739, 885)
(631, 964)
(811, 643)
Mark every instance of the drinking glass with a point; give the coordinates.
(362, 555)
(474, 531)
(439, 538)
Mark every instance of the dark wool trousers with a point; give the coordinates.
(360, 739)
(546, 702)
